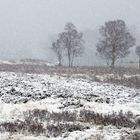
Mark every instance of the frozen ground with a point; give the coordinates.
(20, 93)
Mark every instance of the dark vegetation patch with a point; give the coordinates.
(56, 130)
(38, 122)
(44, 115)
(135, 135)
(116, 119)
(40, 69)
(26, 127)
(119, 119)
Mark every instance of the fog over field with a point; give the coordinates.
(28, 27)
(69, 70)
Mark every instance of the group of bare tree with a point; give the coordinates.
(69, 44)
(114, 44)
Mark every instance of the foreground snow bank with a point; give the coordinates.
(20, 93)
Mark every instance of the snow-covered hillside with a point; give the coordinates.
(20, 93)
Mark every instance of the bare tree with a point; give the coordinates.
(138, 53)
(58, 49)
(115, 42)
(72, 41)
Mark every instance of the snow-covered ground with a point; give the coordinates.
(26, 62)
(23, 92)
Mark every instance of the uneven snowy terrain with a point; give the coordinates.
(23, 93)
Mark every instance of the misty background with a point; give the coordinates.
(28, 27)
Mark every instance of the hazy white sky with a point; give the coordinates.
(25, 25)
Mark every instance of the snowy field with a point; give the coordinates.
(52, 107)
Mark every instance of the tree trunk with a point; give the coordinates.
(71, 64)
(113, 62)
(113, 58)
(139, 63)
(69, 59)
(60, 64)
(60, 60)
(72, 59)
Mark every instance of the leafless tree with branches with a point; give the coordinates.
(115, 42)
